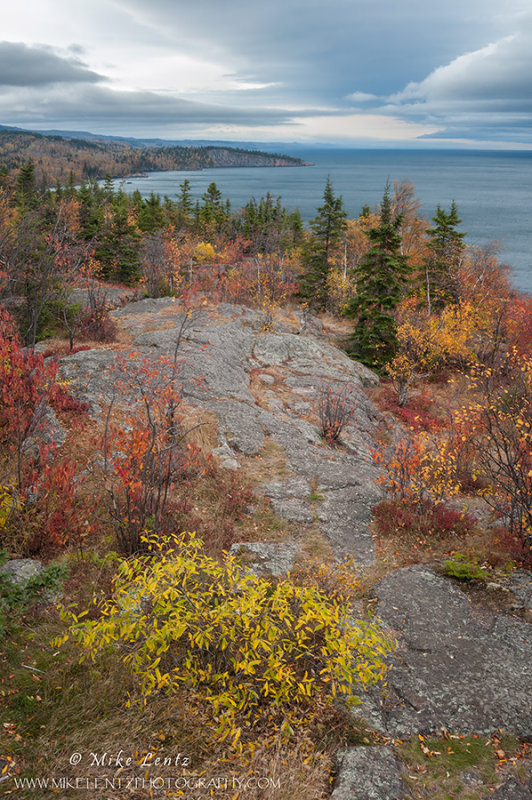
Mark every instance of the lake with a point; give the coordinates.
(492, 190)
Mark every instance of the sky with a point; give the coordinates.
(352, 73)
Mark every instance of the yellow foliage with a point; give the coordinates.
(426, 342)
(238, 642)
(340, 289)
(204, 252)
(420, 470)
(8, 503)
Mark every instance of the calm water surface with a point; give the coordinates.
(493, 190)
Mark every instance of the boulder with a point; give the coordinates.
(21, 570)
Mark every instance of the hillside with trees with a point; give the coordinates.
(60, 160)
(280, 480)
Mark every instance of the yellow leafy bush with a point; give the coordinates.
(426, 342)
(204, 252)
(240, 643)
(419, 470)
(8, 503)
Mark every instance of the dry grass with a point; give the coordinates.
(203, 427)
(314, 546)
(262, 391)
(270, 464)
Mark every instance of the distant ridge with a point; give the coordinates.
(76, 155)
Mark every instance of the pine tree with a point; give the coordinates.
(380, 279)
(327, 231)
(442, 266)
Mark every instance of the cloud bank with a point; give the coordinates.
(344, 72)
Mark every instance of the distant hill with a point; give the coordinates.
(62, 158)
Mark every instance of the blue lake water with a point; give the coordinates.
(493, 190)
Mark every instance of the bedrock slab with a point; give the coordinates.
(454, 668)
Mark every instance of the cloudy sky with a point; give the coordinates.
(349, 72)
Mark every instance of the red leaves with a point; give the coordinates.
(143, 451)
(26, 383)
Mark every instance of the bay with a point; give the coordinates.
(492, 189)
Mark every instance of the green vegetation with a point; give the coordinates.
(464, 568)
(442, 265)
(458, 767)
(327, 232)
(16, 598)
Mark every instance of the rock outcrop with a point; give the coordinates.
(456, 667)
(228, 348)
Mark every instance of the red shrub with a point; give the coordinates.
(423, 523)
(26, 383)
(55, 511)
(61, 400)
(418, 415)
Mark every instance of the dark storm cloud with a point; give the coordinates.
(23, 65)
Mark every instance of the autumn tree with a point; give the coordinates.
(42, 257)
(380, 280)
(327, 231)
(162, 263)
(499, 434)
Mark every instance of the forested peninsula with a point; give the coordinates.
(61, 159)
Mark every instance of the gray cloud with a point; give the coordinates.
(97, 105)
(324, 50)
(24, 65)
(487, 90)
(423, 64)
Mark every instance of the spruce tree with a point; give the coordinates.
(185, 202)
(327, 231)
(380, 279)
(27, 195)
(442, 266)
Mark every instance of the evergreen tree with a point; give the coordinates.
(151, 215)
(213, 212)
(380, 278)
(27, 195)
(327, 231)
(92, 209)
(442, 266)
(185, 204)
(117, 248)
